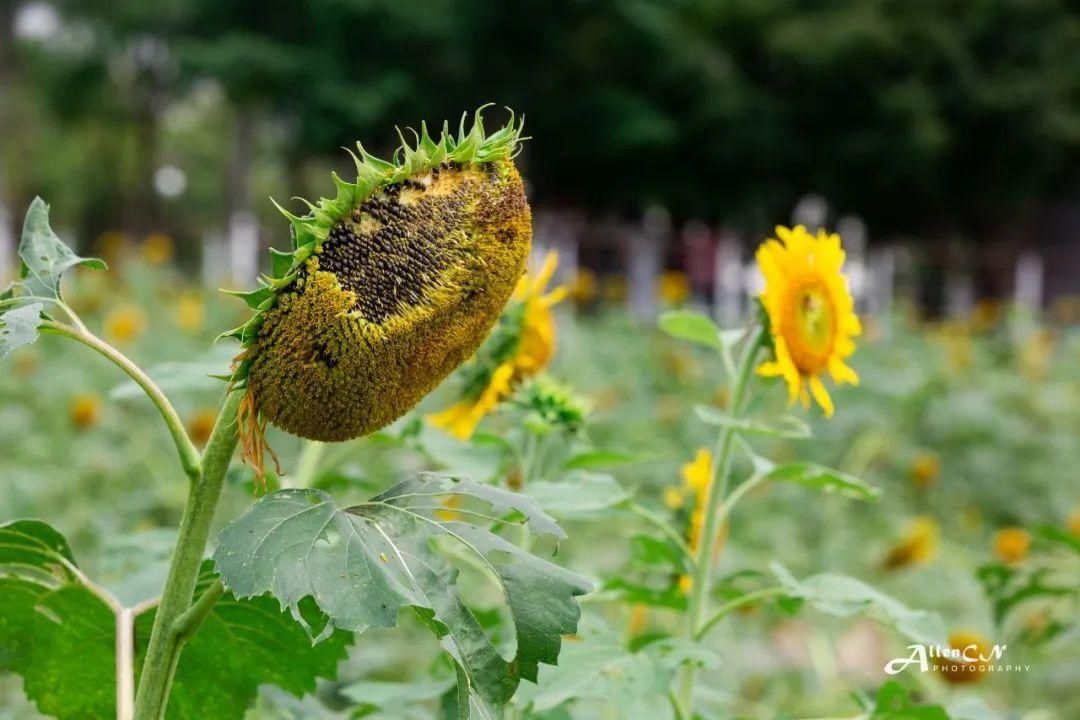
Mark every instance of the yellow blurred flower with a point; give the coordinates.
(697, 474)
(639, 619)
(110, 246)
(190, 311)
(124, 324)
(811, 313)
(26, 363)
(673, 287)
(450, 513)
(1035, 355)
(527, 330)
(986, 314)
(679, 363)
(157, 248)
(615, 289)
(584, 287)
(1012, 544)
(85, 410)
(673, 498)
(201, 424)
(686, 584)
(969, 668)
(696, 477)
(918, 545)
(925, 469)
(1072, 523)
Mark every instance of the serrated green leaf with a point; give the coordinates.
(394, 697)
(893, 703)
(58, 631)
(597, 666)
(55, 631)
(819, 477)
(668, 596)
(1007, 587)
(844, 596)
(363, 564)
(654, 551)
(691, 326)
(785, 426)
(595, 459)
(44, 256)
(241, 645)
(18, 327)
(579, 494)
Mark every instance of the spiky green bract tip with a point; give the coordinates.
(389, 286)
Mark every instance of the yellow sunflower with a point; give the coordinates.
(969, 668)
(918, 545)
(925, 469)
(811, 313)
(1012, 544)
(522, 345)
(85, 410)
(696, 476)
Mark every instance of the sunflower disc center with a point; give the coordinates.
(396, 248)
(810, 325)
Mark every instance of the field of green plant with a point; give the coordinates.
(593, 517)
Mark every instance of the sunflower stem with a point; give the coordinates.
(714, 496)
(308, 464)
(169, 634)
(189, 455)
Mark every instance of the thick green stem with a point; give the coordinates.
(714, 496)
(307, 465)
(189, 455)
(167, 638)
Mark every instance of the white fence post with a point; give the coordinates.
(7, 247)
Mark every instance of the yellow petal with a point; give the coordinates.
(555, 296)
(458, 420)
(551, 261)
(770, 369)
(821, 395)
(841, 372)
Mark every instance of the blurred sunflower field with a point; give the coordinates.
(937, 505)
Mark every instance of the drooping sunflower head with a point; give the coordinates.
(811, 313)
(388, 287)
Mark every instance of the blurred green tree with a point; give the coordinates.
(922, 116)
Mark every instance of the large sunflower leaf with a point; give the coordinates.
(363, 564)
(844, 596)
(56, 631)
(18, 327)
(241, 645)
(44, 256)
